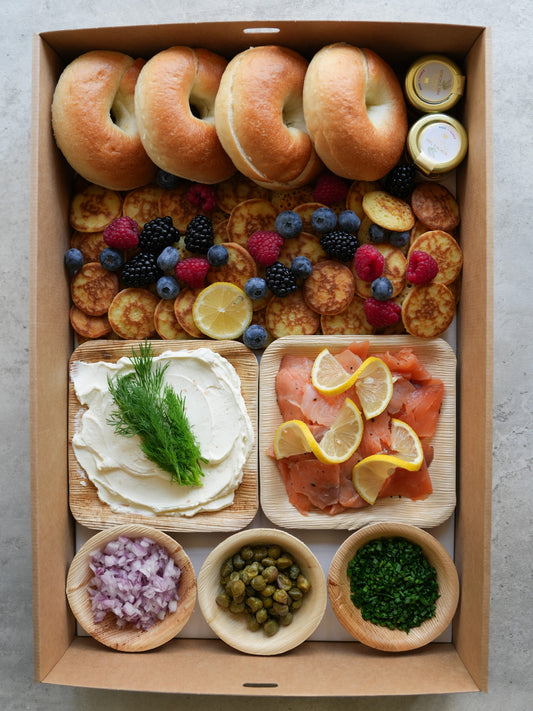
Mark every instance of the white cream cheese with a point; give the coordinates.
(130, 483)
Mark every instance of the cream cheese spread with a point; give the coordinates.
(129, 482)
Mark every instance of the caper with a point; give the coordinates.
(258, 583)
(286, 619)
(303, 583)
(236, 607)
(270, 627)
(294, 571)
(235, 575)
(223, 600)
(284, 562)
(296, 593)
(261, 615)
(284, 582)
(237, 589)
(268, 591)
(281, 596)
(252, 624)
(296, 604)
(274, 551)
(268, 602)
(254, 603)
(226, 569)
(267, 561)
(279, 610)
(249, 572)
(270, 574)
(238, 562)
(260, 552)
(247, 553)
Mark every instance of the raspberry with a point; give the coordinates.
(158, 234)
(340, 245)
(192, 271)
(140, 270)
(280, 280)
(381, 313)
(422, 267)
(203, 196)
(122, 233)
(265, 246)
(368, 262)
(199, 234)
(329, 189)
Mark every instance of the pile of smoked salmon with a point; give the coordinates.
(416, 399)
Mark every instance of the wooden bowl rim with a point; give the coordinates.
(231, 629)
(376, 636)
(130, 639)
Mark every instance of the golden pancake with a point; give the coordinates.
(435, 206)
(289, 199)
(351, 320)
(166, 323)
(175, 203)
(183, 304)
(455, 288)
(418, 229)
(356, 192)
(93, 289)
(93, 208)
(131, 313)
(220, 232)
(90, 244)
(363, 234)
(388, 211)
(290, 316)
(142, 204)
(305, 245)
(428, 310)
(89, 326)
(238, 269)
(305, 210)
(248, 217)
(446, 252)
(231, 192)
(394, 269)
(329, 288)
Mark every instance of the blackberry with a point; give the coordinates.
(280, 280)
(400, 181)
(158, 234)
(340, 245)
(199, 235)
(141, 270)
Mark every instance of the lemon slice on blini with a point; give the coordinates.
(373, 384)
(328, 376)
(337, 445)
(222, 310)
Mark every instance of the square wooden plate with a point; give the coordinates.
(440, 360)
(91, 512)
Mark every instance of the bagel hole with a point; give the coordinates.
(292, 114)
(200, 109)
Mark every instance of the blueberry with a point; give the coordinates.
(348, 221)
(255, 288)
(288, 224)
(217, 255)
(168, 259)
(382, 288)
(301, 267)
(111, 259)
(167, 287)
(166, 180)
(255, 336)
(399, 239)
(323, 219)
(73, 261)
(377, 233)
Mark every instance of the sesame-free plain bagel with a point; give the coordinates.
(93, 120)
(259, 117)
(174, 102)
(354, 111)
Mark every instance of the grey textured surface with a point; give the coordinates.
(511, 681)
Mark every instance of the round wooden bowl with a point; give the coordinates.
(381, 637)
(130, 639)
(231, 628)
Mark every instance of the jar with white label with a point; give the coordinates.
(436, 144)
(434, 83)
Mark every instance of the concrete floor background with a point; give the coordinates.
(511, 631)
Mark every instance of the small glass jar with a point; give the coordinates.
(434, 83)
(436, 144)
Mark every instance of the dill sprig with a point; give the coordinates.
(151, 409)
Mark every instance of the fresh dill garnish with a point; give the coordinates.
(150, 408)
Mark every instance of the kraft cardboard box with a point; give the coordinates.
(209, 666)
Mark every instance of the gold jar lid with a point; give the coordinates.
(434, 83)
(436, 144)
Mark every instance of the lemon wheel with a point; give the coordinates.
(328, 376)
(222, 310)
(373, 384)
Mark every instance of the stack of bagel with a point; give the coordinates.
(267, 113)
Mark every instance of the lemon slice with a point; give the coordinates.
(373, 383)
(222, 310)
(406, 445)
(337, 445)
(372, 472)
(328, 376)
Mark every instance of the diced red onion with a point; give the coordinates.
(136, 580)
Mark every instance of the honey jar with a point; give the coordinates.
(434, 83)
(436, 144)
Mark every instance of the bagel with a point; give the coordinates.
(259, 118)
(174, 103)
(93, 120)
(354, 111)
